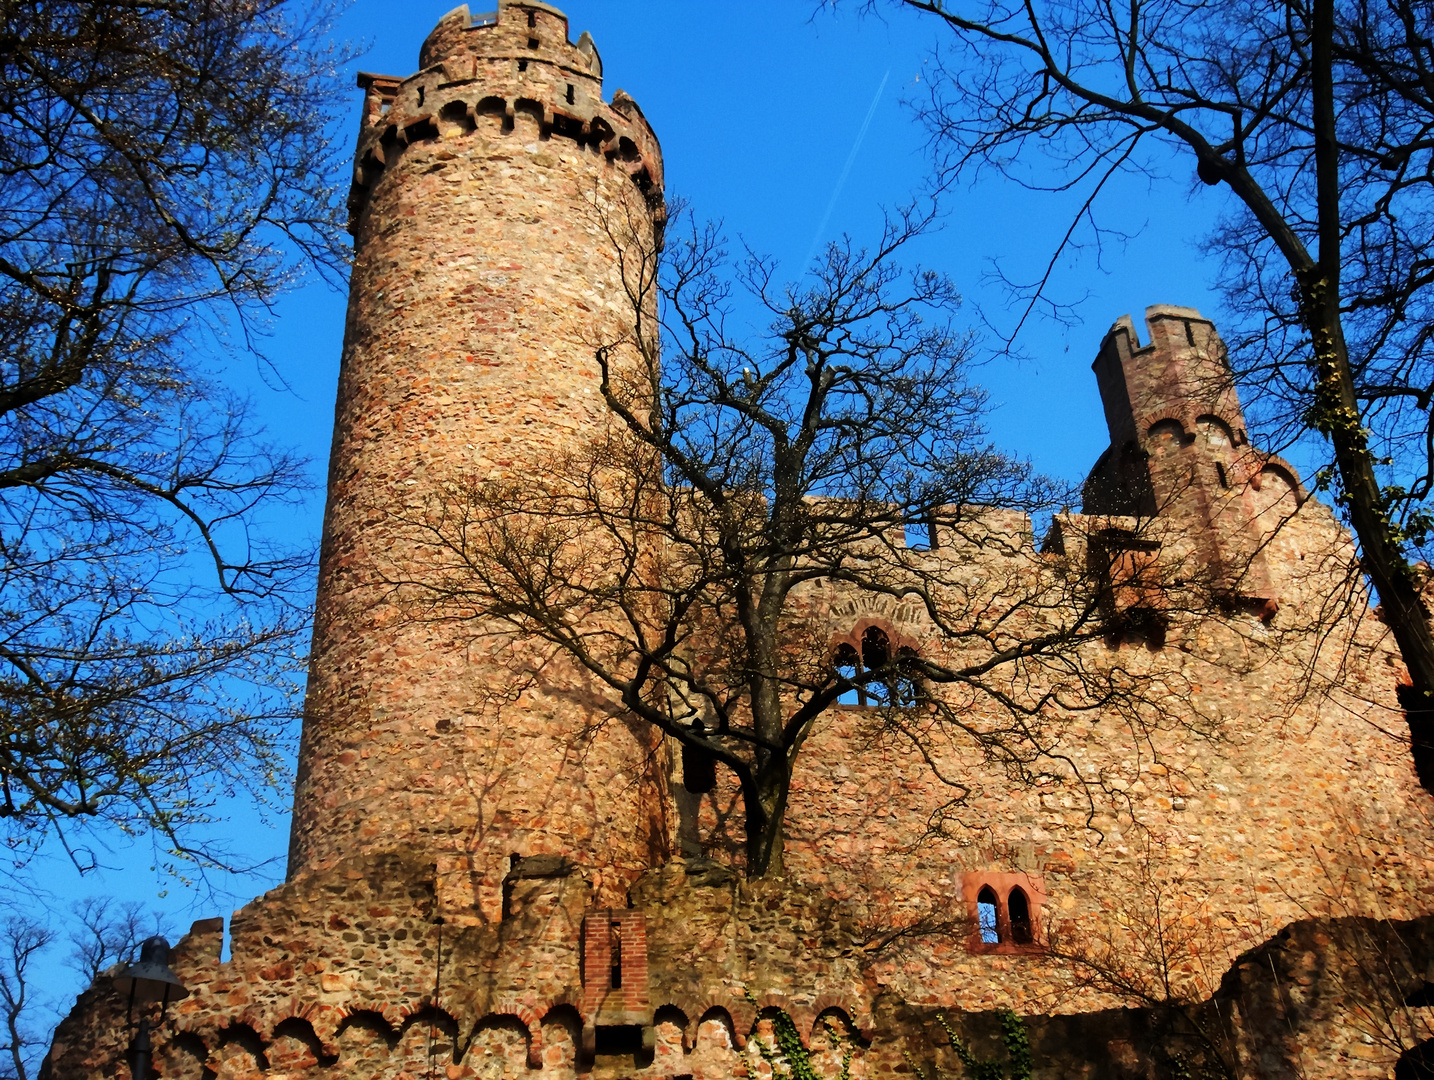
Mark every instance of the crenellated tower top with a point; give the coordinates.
(1181, 375)
(517, 59)
(1179, 449)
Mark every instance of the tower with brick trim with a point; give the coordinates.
(1179, 450)
(479, 275)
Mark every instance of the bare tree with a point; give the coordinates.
(21, 941)
(1316, 117)
(108, 932)
(165, 173)
(102, 932)
(1163, 951)
(688, 559)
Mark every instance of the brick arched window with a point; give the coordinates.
(1004, 910)
(872, 651)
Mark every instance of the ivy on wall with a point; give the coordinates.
(1017, 1063)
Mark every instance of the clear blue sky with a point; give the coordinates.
(758, 106)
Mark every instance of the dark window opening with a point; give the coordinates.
(986, 919)
(1421, 997)
(522, 65)
(532, 18)
(617, 1040)
(420, 129)
(572, 94)
(456, 113)
(568, 127)
(699, 769)
(532, 43)
(1220, 472)
(1416, 1063)
(420, 95)
(615, 945)
(875, 648)
(1018, 908)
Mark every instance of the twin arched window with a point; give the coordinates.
(894, 681)
(1008, 922)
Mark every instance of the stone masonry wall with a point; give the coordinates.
(347, 973)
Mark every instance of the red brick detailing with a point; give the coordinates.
(633, 928)
(852, 635)
(1033, 885)
(599, 994)
(597, 962)
(804, 1020)
(743, 1017)
(526, 1013)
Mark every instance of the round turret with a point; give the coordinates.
(480, 270)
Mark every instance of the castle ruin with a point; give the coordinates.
(498, 880)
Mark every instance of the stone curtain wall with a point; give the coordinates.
(335, 975)
(1293, 801)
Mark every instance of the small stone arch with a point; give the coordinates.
(717, 1014)
(299, 1030)
(432, 1023)
(673, 1014)
(365, 1025)
(773, 1010)
(240, 1037)
(534, 110)
(1217, 431)
(456, 118)
(1279, 471)
(493, 111)
(1164, 435)
(827, 1012)
(600, 131)
(501, 1033)
(185, 1057)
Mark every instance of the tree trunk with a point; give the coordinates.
(1336, 413)
(766, 808)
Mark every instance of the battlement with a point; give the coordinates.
(1181, 375)
(526, 29)
(510, 69)
(1179, 448)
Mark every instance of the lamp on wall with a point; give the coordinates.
(147, 980)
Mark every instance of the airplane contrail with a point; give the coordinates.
(845, 172)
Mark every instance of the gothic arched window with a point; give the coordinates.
(988, 917)
(1005, 911)
(896, 682)
(1018, 910)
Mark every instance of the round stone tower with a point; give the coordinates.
(480, 272)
